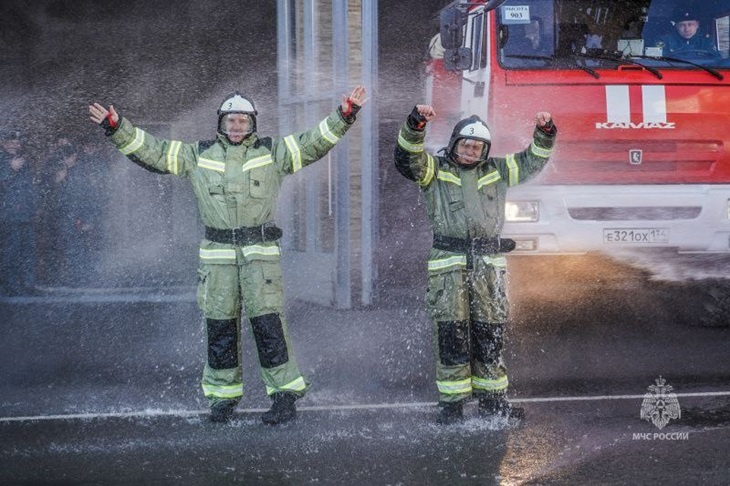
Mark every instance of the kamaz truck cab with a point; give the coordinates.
(643, 151)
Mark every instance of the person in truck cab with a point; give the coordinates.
(527, 39)
(465, 191)
(686, 40)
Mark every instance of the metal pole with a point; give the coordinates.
(343, 292)
(283, 59)
(370, 169)
(284, 19)
(310, 180)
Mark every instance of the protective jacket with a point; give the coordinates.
(236, 186)
(466, 296)
(468, 203)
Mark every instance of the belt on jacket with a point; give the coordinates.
(247, 235)
(475, 246)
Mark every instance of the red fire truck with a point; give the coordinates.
(643, 113)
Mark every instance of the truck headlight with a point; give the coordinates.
(522, 211)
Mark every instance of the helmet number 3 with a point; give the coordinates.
(471, 130)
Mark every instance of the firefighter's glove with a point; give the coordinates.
(109, 125)
(416, 121)
(351, 104)
(548, 128)
(350, 110)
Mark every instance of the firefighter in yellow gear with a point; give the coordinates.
(236, 179)
(465, 191)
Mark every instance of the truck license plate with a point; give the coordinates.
(636, 235)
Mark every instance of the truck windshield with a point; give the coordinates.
(604, 34)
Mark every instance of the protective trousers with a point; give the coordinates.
(253, 278)
(469, 310)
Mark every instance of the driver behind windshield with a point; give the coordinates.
(686, 37)
(528, 38)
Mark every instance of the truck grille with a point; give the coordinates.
(635, 213)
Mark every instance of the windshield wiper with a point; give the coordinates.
(578, 58)
(717, 74)
(551, 59)
(619, 60)
(531, 57)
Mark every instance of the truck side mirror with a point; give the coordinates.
(451, 23)
(457, 59)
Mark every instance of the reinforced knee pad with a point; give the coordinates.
(222, 343)
(453, 342)
(268, 331)
(488, 341)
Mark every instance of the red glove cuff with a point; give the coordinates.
(548, 128)
(111, 121)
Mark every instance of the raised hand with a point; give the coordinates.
(426, 112)
(352, 104)
(99, 114)
(542, 118)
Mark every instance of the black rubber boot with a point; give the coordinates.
(499, 407)
(222, 411)
(282, 410)
(451, 413)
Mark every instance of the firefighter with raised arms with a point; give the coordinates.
(236, 179)
(465, 191)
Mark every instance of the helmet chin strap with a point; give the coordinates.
(228, 137)
(468, 160)
(469, 166)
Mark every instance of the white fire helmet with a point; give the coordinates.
(236, 103)
(472, 128)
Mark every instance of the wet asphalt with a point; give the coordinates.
(104, 389)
